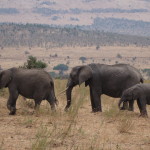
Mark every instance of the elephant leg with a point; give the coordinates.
(96, 101)
(38, 97)
(11, 103)
(125, 106)
(37, 104)
(139, 105)
(131, 107)
(144, 111)
(52, 100)
(142, 106)
(52, 104)
(92, 100)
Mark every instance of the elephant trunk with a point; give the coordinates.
(68, 94)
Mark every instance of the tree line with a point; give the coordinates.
(35, 35)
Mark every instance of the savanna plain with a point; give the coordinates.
(79, 128)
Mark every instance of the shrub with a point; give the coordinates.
(61, 67)
(32, 62)
(83, 59)
(119, 56)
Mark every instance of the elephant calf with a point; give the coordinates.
(139, 92)
(31, 83)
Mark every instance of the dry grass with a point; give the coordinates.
(106, 55)
(77, 129)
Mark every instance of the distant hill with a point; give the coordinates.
(124, 16)
(33, 35)
(122, 26)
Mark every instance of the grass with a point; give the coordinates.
(1, 145)
(126, 124)
(77, 129)
(41, 141)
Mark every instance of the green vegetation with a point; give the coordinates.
(147, 71)
(32, 62)
(61, 68)
(83, 59)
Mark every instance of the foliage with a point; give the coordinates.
(32, 62)
(83, 59)
(147, 71)
(61, 67)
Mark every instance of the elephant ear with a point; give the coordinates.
(84, 74)
(5, 78)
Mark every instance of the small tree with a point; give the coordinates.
(32, 62)
(61, 68)
(97, 47)
(83, 59)
(119, 56)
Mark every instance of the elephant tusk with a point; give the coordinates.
(63, 91)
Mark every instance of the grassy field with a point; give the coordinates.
(78, 129)
(135, 56)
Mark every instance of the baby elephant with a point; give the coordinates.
(139, 92)
(31, 83)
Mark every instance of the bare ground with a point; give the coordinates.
(78, 129)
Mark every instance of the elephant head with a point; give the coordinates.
(77, 76)
(129, 95)
(5, 78)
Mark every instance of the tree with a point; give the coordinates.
(61, 68)
(97, 47)
(119, 56)
(83, 59)
(32, 62)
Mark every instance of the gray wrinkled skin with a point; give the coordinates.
(31, 83)
(139, 92)
(111, 80)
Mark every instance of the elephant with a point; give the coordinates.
(111, 80)
(139, 92)
(34, 84)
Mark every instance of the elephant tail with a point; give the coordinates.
(142, 80)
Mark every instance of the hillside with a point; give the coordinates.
(32, 35)
(131, 16)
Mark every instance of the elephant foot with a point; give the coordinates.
(130, 109)
(12, 111)
(67, 107)
(123, 108)
(96, 110)
(56, 102)
(143, 115)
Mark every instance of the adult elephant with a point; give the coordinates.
(31, 83)
(111, 80)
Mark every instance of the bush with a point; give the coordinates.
(119, 56)
(61, 67)
(32, 62)
(83, 59)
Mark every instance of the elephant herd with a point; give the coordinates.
(118, 81)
